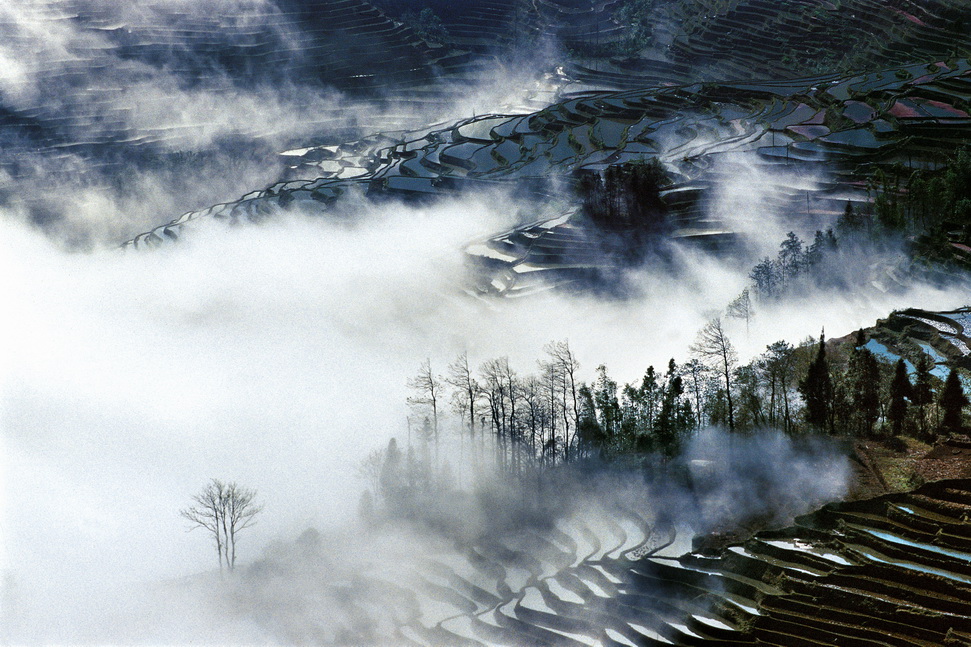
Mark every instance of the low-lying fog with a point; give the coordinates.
(276, 356)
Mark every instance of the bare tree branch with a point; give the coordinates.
(224, 510)
(714, 349)
(427, 387)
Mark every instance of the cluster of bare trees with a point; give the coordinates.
(550, 416)
(531, 418)
(760, 394)
(224, 510)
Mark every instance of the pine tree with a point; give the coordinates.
(392, 478)
(900, 391)
(817, 390)
(814, 253)
(864, 374)
(590, 435)
(776, 364)
(922, 394)
(790, 258)
(669, 429)
(604, 393)
(851, 222)
(952, 403)
(766, 279)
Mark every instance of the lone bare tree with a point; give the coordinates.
(714, 349)
(224, 509)
(467, 390)
(741, 308)
(427, 387)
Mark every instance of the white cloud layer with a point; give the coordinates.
(277, 356)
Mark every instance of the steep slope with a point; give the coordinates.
(715, 40)
(838, 127)
(943, 337)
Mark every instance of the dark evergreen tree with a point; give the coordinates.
(649, 396)
(900, 391)
(831, 241)
(626, 204)
(695, 376)
(952, 403)
(790, 261)
(670, 418)
(628, 199)
(605, 401)
(851, 224)
(957, 183)
(885, 185)
(815, 252)
(590, 435)
(716, 407)
(841, 404)
(864, 379)
(816, 258)
(630, 412)
(766, 279)
(922, 393)
(817, 391)
(593, 196)
(686, 417)
(750, 411)
(776, 364)
(393, 478)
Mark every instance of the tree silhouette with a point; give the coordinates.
(741, 308)
(900, 391)
(952, 403)
(864, 377)
(224, 509)
(715, 349)
(817, 390)
(922, 393)
(427, 387)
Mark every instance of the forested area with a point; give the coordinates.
(549, 417)
(520, 421)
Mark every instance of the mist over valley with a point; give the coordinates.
(518, 322)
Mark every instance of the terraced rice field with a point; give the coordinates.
(836, 127)
(895, 570)
(945, 337)
(81, 101)
(715, 40)
(246, 45)
(752, 39)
